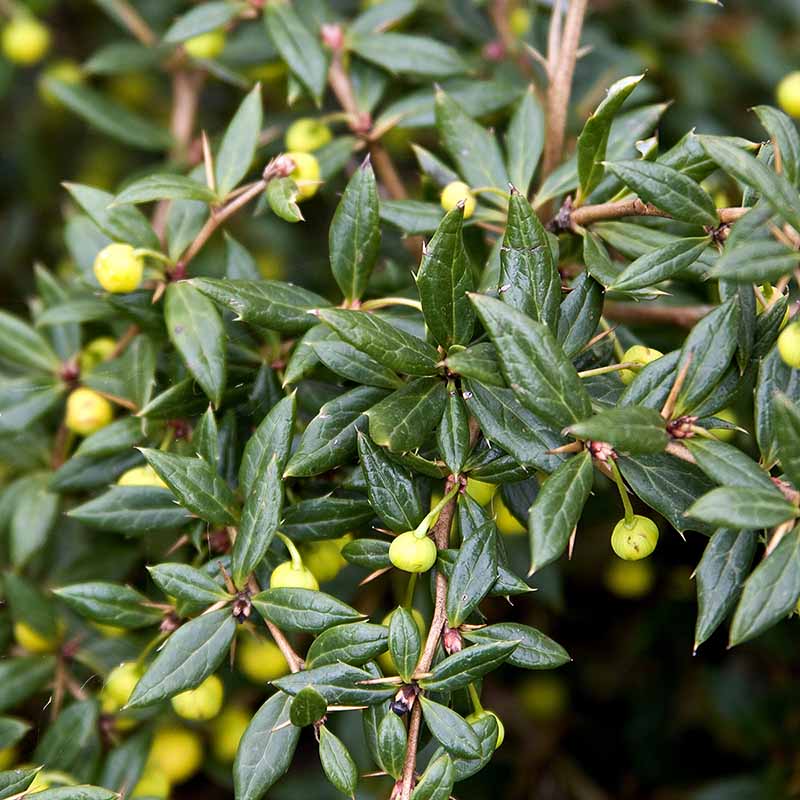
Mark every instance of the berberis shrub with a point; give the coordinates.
(192, 452)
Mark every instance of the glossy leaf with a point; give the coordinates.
(460, 669)
(110, 604)
(633, 429)
(405, 642)
(660, 264)
(473, 575)
(737, 507)
(353, 643)
(533, 651)
(239, 143)
(450, 729)
(525, 140)
(337, 763)
(303, 609)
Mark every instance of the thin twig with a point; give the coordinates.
(292, 659)
(649, 314)
(560, 88)
(132, 20)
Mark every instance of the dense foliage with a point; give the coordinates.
(192, 446)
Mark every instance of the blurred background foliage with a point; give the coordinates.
(636, 715)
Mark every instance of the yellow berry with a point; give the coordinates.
(260, 660)
(454, 193)
(324, 559)
(543, 697)
(226, 731)
(788, 94)
(206, 45)
(87, 411)
(201, 703)
(153, 783)
(285, 576)
(635, 540)
(307, 134)
(481, 492)
(33, 641)
(306, 174)
(519, 21)
(109, 631)
(118, 268)
(8, 757)
(97, 351)
(501, 730)
(25, 40)
(629, 579)
(506, 522)
(66, 71)
(140, 476)
(725, 434)
(638, 354)
(177, 752)
(119, 686)
(789, 345)
(412, 553)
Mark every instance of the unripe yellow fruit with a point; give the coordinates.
(87, 411)
(8, 757)
(385, 660)
(306, 174)
(227, 730)
(285, 576)
(506, 522)
(33, 641)
(97, 351)
(789, 345)
(481, 492)
(66, 71)
(635, 540)
(25, 40)
(260, 660)
(109, 631)
(412, 553)
(307, 134)
(324, 559)
(118, 268)
(454, 193)
(639, 354)
(725, 434)
(177, 752)
(519, 21)
(501, 730)
(543, 697)
(203, 702)
(206, 45)
(141, 476)
(629, 579)
(119, 686)
(153, 783)
(788, 94)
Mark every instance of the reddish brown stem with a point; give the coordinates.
(649, 314)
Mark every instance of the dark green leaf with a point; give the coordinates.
(16, 781)
(534, 651)
(266, 749)
(282, 198)
(110, 604)
(405, 642)
(771, 591)
(632, 429)
(668, 189)
(444, 278)
(22, 345)
(70, 739)
(450, 729)
(339, 684)
(405, 54)
(308, 707)
(270, 304)
(239, 143)
(187, 583)
(436, 783)
(593, 140)
(21, 677)
(164, 186)
(579, 315)
(190, 655)
(534, 365)
(557, 509)
(460, 669)
(473, 575)
(196, 484)
(201, 19)
(196, 330)
(720, 576)
(478, 362)
(773, 376)
(742, 508)
(345, 360)
(354, 237)
(388, 345)
(529, 279)
(403, 421)
(392, 742)
(787, 431)
(337, 763)
(131, 510)
(728, 466)
(303, 609)
(452, 436)
(370, 554)
(329, 440)
(660, 264)
(325, 517)
(525, 140)
(756, 261)
(354, 643)
(785, 138)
